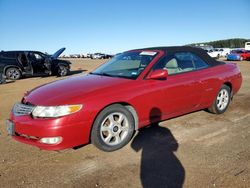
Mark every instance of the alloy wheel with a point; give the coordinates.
(222, 99)
(13, 74)
(114, 128)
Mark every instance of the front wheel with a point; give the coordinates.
(62, 70)
(113, 128)
(221, 101)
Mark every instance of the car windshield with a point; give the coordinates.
(127, 65)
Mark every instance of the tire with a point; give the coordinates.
(221, 101)
(13, 73)
(108, 134)
(62, 70)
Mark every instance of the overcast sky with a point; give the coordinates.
(112, 26)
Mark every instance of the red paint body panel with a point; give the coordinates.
(73, 132)
(177, 95)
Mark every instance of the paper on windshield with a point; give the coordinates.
(148, 53)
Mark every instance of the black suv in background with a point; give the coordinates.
(15, 64)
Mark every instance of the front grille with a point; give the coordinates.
(20, 109)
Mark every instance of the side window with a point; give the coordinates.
(31, 57)
(38, 56)
(188, 61)
(181, 62)
(199, 63)
(185, 61)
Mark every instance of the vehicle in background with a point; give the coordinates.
(75, 55)
(204, 46)
(65, 56)
(108, 56)
(97, 56)
(89, 55)
(247, 46)
(239, 55)
(100, 56)
(15, 64)
(83, 55)
(214, 53)
(134, 89)
(223, 51)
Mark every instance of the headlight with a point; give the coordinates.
(55, 111)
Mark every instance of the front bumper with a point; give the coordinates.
(72, 130)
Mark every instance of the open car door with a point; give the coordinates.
(23, 59)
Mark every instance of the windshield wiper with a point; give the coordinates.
(102, 74)
(111, 75)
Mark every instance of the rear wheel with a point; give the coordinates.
(13, 73)
(221, 101)
(62, 70)
(113, 128)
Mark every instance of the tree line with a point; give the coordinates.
(228, 43)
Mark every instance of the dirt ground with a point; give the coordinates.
(195, 150)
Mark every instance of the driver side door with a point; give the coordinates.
(181, 92)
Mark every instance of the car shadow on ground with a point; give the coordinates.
(159, 165)
(7, 82)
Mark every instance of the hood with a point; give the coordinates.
(73, 90)
(57, 53)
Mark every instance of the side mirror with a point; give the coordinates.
(159, 74)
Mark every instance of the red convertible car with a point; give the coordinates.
(134, 89)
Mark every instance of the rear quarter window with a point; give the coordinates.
(199, 63)
(184, 60)
(8, 55)
(189, 61)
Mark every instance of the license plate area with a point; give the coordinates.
(10, 127)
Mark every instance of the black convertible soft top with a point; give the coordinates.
(169, 50)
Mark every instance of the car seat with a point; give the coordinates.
(172, 66)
